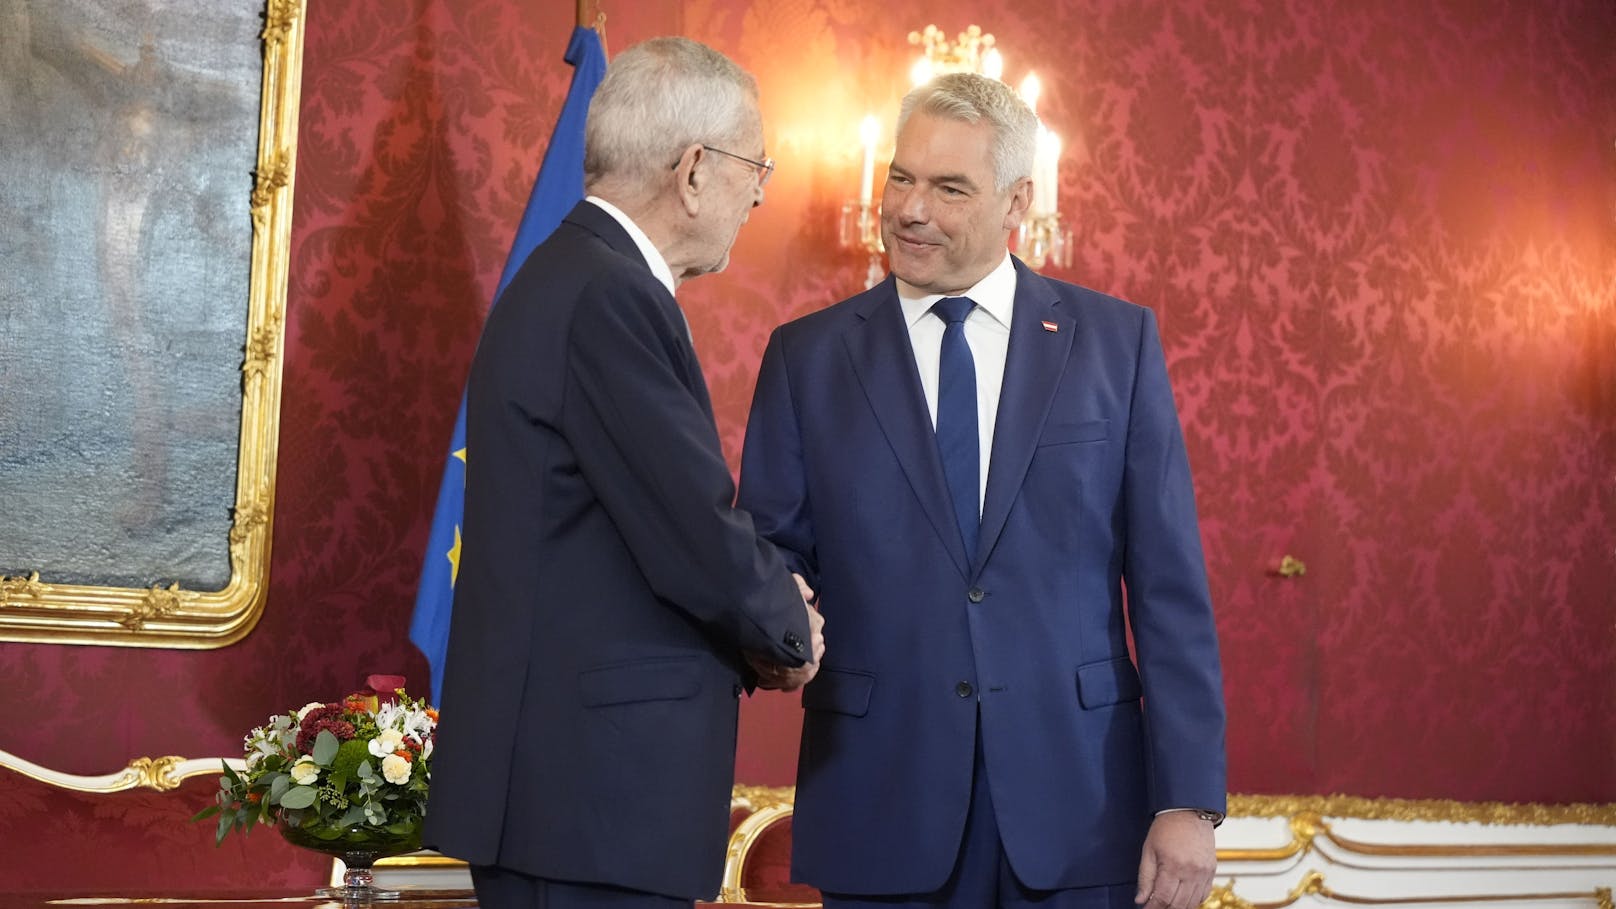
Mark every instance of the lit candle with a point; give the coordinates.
(868, 131)
(1030, 89)
(1045, 172)
(1053, 166)
(920, 73)
(992, 63)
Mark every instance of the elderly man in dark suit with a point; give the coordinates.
(610, 602)
(970, 463)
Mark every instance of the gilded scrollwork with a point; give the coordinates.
(157, 603)
(270, 180)
(1224, 897)
(279, 19)
(12, 590)
(1378, 809)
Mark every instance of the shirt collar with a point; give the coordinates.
(995, 294)
(653, 258)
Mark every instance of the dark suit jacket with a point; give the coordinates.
(1088, 487)
(606, 587)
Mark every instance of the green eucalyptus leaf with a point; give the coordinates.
(299, 797)
(325, 748)
(278, 787)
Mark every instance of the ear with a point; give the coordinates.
(689, 180)
(1020, 202)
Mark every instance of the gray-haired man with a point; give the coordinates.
(609, 598)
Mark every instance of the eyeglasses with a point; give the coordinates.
(765, 167)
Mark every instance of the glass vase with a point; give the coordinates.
(359, 847)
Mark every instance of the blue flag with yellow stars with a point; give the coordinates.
(558, 188)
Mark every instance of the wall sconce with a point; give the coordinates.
(1041, 238)
(860, 227)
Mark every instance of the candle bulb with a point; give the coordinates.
(1053, 166)
(1030, 89)
(868, 131)
(1041, 189)
(992, 63)
(920, 73)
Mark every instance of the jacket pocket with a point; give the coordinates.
(1068, 433)
(666, 679)
(840, 691)
(1107, 682)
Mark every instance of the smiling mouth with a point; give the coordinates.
(912, 242)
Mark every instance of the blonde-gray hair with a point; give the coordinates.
(659, 97)
(973, 98)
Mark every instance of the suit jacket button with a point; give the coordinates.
(736, 689)
(976, 595)
(963, 689)
(794, 642)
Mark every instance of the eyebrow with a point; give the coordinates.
(959, 179)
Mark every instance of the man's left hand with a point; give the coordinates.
(774, 677)
(1179, 860)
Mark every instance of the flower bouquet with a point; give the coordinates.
(348, 779)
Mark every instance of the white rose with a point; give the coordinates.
(396, 769)
(389, 741)
(305, 771)
(304, 711)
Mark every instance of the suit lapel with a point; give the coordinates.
(1033, 367)
(878, 344)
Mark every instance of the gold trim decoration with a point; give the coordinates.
(1383, 809)
(36, 610)
(747, 834)
(1223, 897)
(1312, 884)
(759, 798)
(161, 773)
(1307, 827)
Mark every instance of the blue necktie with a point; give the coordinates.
(956, 418)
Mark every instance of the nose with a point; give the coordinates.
(911, 207)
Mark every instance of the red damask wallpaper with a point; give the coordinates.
(1381, 241)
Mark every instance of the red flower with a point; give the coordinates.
(384, 687)
(327, 718)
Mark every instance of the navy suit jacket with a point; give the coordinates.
(606, 587)
(1088, 489)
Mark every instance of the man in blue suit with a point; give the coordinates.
(971, 464)
(609, 597)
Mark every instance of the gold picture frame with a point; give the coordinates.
(36, 608)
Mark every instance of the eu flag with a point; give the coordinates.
(558, 188)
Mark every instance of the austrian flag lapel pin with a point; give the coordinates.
(1051, 326)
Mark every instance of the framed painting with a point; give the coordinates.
(146, 192)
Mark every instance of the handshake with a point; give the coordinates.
(775, 677)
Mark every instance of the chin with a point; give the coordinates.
(914, 277)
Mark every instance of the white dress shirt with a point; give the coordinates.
(659, 265)
(987, 332)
